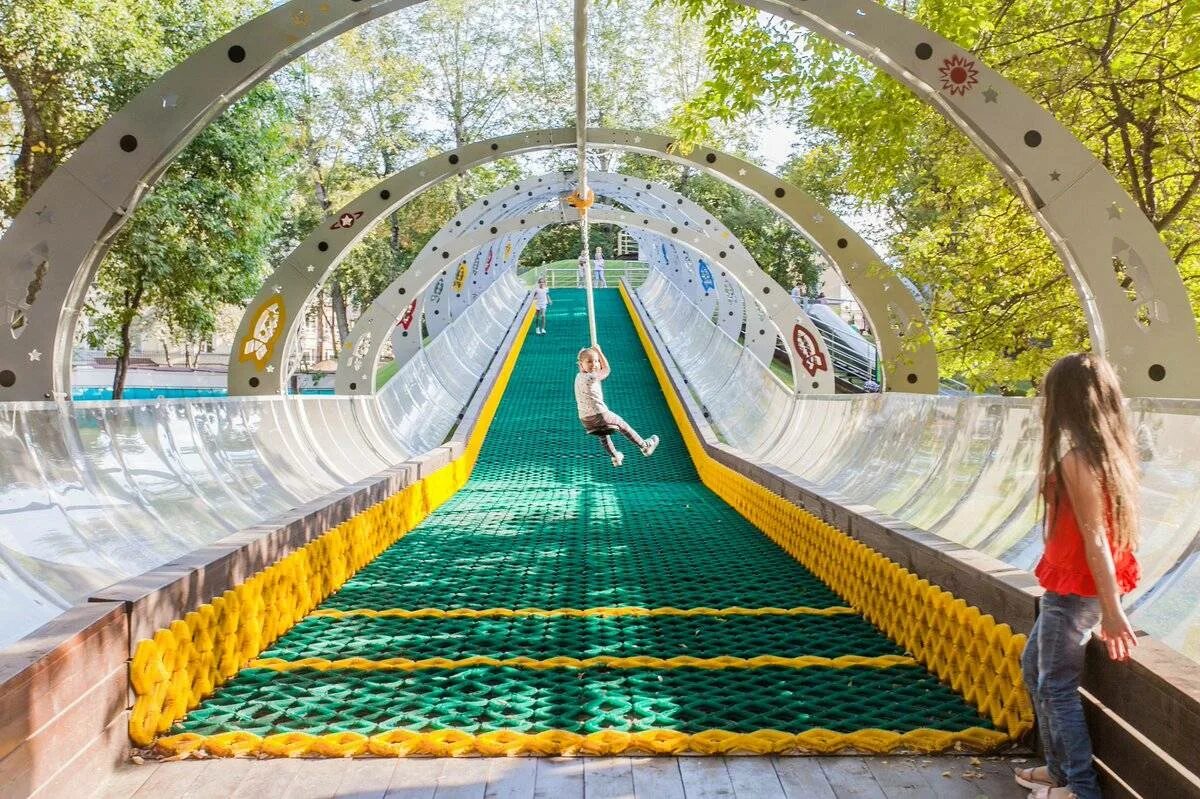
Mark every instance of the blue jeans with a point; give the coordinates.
(1053, 665)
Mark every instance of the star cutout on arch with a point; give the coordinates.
(34, 355)
(271, 369)
(990, 95)
(277, 289)
(300, 19)
(346, 220)
(1056, 176)
(311, 268)
(637, 139)
(45, 215)
(323, 8)
(818, 218)
(1115, 211)
(742, 172)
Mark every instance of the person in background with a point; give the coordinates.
(598, 270)
(1089, 482)
(581, 275)
(541, 301)
(797, 294)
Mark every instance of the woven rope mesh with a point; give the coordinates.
(547, 522)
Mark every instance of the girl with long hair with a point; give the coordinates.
(1089, 482)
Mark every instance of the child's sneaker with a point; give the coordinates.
(618, 459)
(650, 445)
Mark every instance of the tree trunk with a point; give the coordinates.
(133, 303)
(121, 370)
(35, 161)
(338, 300)
(167, 354)
(320, 325)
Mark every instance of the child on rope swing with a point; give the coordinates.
(597, 419)
(1089, 480)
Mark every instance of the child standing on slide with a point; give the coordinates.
(597, 419)
(1089, 479)
(541, 301)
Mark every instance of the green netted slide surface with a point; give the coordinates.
(547, 522)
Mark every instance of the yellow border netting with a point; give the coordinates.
(970, 651)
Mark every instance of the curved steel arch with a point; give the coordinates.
(258, 361)
(369, 334)
(49, 255)
(644, 197)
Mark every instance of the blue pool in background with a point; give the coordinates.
(85, 394)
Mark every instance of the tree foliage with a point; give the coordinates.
(1123, 75)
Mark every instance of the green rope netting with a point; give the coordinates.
(689, 700)
(547, 522)
(543, 638)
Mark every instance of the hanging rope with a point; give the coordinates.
(583, 197)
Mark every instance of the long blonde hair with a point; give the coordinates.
(1083, 402)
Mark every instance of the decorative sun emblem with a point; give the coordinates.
(959, 75)
(346, 220)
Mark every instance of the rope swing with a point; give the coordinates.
(583, 197)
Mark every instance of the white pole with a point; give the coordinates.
(581, 144)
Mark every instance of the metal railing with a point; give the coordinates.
(563, 277)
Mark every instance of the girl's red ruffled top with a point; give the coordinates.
(1063, 568)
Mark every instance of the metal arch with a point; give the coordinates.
(49, 255)
(640, 195)
(365, 340)
(257, 365)
(1090, 219)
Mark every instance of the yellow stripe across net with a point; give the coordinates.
(502, 613)
(600, 661)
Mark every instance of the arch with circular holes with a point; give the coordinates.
(370, 333)
(49, 255)
(258, 362)
(811, 368)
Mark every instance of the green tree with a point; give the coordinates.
(197, 242)
(1123, 75)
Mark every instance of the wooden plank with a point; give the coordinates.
(318, 779)
(126, 780)
(462, 778)
(511, 778)
(850, 778)
(902, 778)
(266, 779)
(559, 778)
(415, 778)
(997, 781)
(221, 779)
(802, 778)
(1137, 761)
(1157, 692)
(608, 778)
(656, 778)
(754, 778)
(368, 777)
(705, 778)
(171, 779)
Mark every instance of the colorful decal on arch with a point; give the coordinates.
(487, 265)
(811, 357)
(259, 343)
(361, 350)
(460, 278)
(507, 250)
(730, 292)
(438, 288)
(346, 220)
(706, 278)
(959, 75)
(406, 318)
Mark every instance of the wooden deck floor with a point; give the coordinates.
(573, 778)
